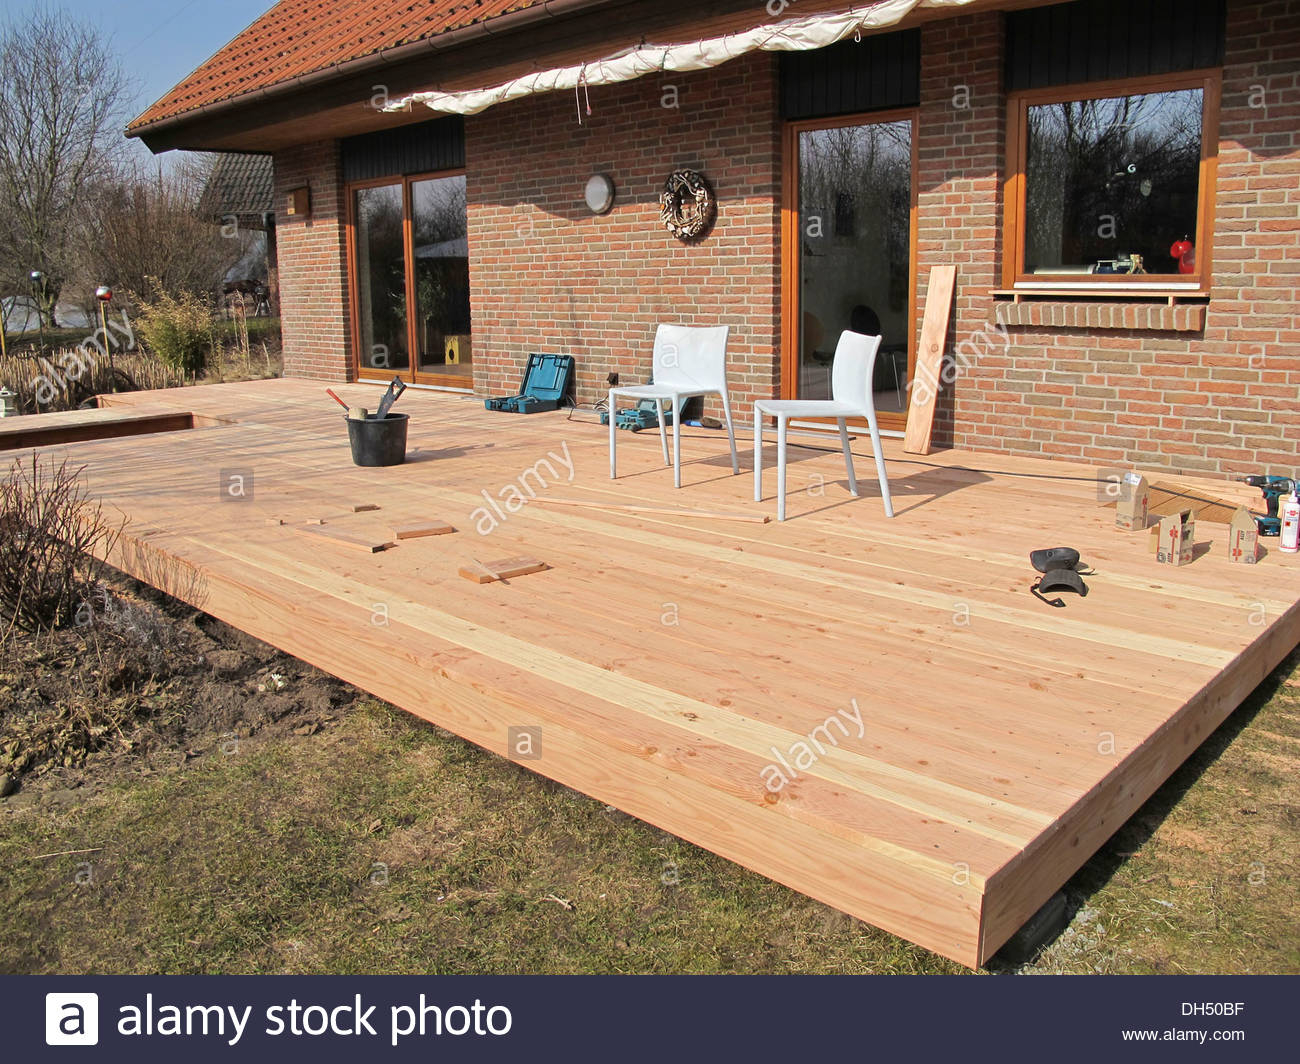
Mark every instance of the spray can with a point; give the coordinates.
(1290, 514)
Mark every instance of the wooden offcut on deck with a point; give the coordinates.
(674, 663)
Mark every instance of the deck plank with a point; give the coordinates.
(1003, 741)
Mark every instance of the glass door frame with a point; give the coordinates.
(411, 375)
(791, 246)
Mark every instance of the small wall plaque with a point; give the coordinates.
(299, 202)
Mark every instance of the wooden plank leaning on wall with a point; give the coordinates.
(929, 360)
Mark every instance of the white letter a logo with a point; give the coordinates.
(71, 1019)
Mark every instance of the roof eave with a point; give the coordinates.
(151, 132)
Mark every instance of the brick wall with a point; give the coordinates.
(312, 256)
(1250, 360)
(547, 275)
(1219, 400)
(960, 145)
(1218, 396)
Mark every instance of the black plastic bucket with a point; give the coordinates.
(377, 442)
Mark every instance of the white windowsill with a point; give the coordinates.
(1154, 289)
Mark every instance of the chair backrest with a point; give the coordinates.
(853, 368)
(691, 358)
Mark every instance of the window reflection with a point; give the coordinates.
(1112, 185)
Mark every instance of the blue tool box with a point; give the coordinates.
(641, 416)
(546, 383)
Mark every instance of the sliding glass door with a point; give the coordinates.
(849, 252)
(441, 255)
(410, 280)
(380, 280)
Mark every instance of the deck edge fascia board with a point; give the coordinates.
(1081, 832)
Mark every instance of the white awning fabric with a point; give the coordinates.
(790, 35)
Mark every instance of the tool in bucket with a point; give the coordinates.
(1061, 571)
(395, 390)
(355, 413)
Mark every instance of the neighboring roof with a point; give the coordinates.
(240, 185)
(299, 37)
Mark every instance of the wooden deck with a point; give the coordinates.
(676, 666)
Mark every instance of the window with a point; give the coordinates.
(410, 279)
(849, 214)
(1112, 134)
(1112, 183)
(409, 253)
(441, 257)
(381, 279)
(1106, 174)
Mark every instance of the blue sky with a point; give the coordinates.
(160, 41)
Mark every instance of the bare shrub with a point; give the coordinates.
(137, 625)
(50, 531)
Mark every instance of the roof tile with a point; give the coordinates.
(298, 37)
(241, 185)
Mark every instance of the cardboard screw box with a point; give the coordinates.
(1131, 509)
(1243, 538)
(1173, 539)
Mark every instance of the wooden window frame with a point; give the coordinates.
(1118, 286)
(411, 375)
(790, 245)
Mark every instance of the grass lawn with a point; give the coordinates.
(260, 330)
(55, 339)
(338, 835)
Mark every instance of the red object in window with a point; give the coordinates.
(1185, 253)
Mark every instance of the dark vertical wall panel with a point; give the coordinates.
(1161, 55)
(874, 74)
(1140, 28)
(418, 149)
(1097, 40)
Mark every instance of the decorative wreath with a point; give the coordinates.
(687, 206)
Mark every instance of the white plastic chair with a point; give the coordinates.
(687, 362)
(851, 375)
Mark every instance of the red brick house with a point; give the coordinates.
(1117, 181)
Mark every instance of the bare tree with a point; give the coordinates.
(142, 231)
(62, 99)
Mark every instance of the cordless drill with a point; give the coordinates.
(1273, 488)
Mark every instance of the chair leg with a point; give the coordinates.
(848, 456)
(677, 446)
(880, 462)
(782, 425)
(663, 437)
(758, 455)
(731, 434)
(613, 465)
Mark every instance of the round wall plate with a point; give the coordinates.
(600, 194)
